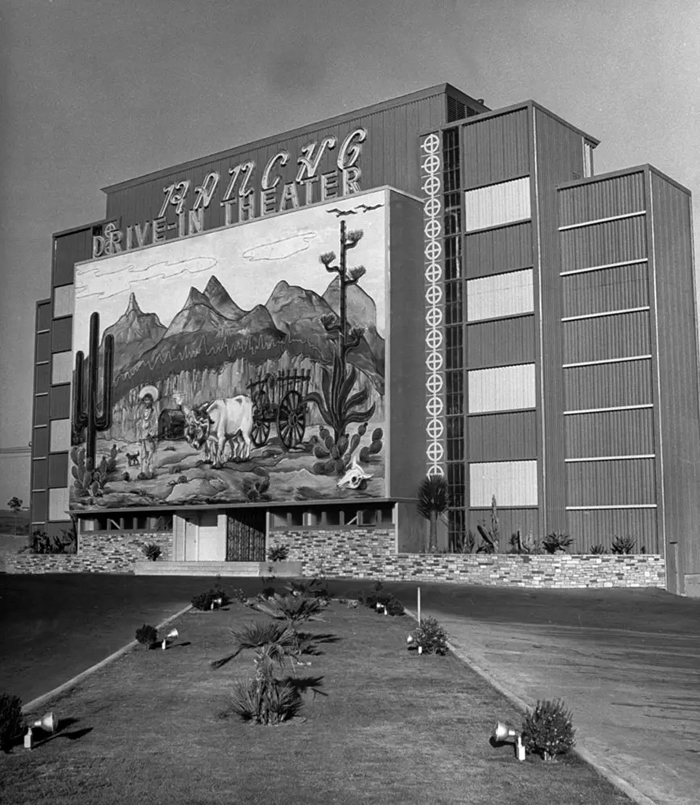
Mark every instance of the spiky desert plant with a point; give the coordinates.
(256, 635)
(433, 502)
(293, 609)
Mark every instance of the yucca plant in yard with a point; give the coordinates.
(268, 699)
(294, 609)
(433, 502)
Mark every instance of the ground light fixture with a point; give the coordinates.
(173, 634)
(504, 732)
(47, 723)
(411, 640)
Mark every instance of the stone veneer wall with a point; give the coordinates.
(98, 552)
(370, 554)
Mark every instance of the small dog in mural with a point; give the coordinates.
(132, 459)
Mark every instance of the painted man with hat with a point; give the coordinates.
(147, 427)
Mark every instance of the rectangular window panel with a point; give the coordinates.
(500, 295)
(63, 301)
(504, 388)
(62, 370)
(58, 504)
(60, 435)
(497, 204)
(514, 483)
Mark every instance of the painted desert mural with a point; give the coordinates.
(241, 365)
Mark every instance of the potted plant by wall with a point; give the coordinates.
(278, 553)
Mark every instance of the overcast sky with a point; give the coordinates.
(96, 92)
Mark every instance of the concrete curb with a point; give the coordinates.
(76, 680)
(522, 705)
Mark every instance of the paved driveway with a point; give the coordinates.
(627, 662)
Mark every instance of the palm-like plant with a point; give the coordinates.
(293, 609)
(433, 502)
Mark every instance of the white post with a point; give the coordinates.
(419, 606)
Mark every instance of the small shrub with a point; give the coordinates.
(380, 600)
(271, 703)
(598, 548)
(205, 600)
(556, 542)
(147, 635)
(11, 720)
(548, 730)
(316, 588)
(152, 551)
(277, 553)
(622, 545)
(126, 476)
(430, 636)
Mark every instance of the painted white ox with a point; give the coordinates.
(228, 420)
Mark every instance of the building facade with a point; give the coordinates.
(291, 334)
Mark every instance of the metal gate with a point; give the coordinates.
(245, 536)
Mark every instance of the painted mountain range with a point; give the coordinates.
(211, 330)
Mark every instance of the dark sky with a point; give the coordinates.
(96, 92)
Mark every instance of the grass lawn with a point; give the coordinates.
(393, 728)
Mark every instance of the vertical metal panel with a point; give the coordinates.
(600, 527)
(500, 295)
(620, 336)
(497, 204)
(502, 437)
(39, 473)
(60, 435)
(608, 385)
(62, 367)
(502, 389)
(514, 483)
(40, 442)
(496, 149)
(603, 244)
(677, 368)
(498, 250)
(501, 342)
(63, 300)
(58, 504)
(558, 157)
(58, 470)
(61, 334)
(70, 249)
(618, 288)
(601, 483)
(60, 402)
(510, 521)
(605, 198)
(610, 433)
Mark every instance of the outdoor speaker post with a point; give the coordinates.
(418, 607)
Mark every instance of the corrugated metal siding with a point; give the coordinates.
(389, 157)
(497, 204)
(618, 288)
(617, 195)
(502, 437)
(70, 249)
(496, 149)
(510, 521)
(677, 367)
(620, 336)
(601, 483)
(501, 342)
(500, 295)
(514, 483)
(590, 528)
(603, 244)
(498, 250)
(610, 433)
(559, 158)
(502, 389)
(608, 385)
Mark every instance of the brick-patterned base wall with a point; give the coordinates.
(370, 555)
(98, 552)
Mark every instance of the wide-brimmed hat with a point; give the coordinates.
(152, 390)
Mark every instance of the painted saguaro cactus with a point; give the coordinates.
(88, 414)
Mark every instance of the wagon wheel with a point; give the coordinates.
(261, 427)
(291, 419)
